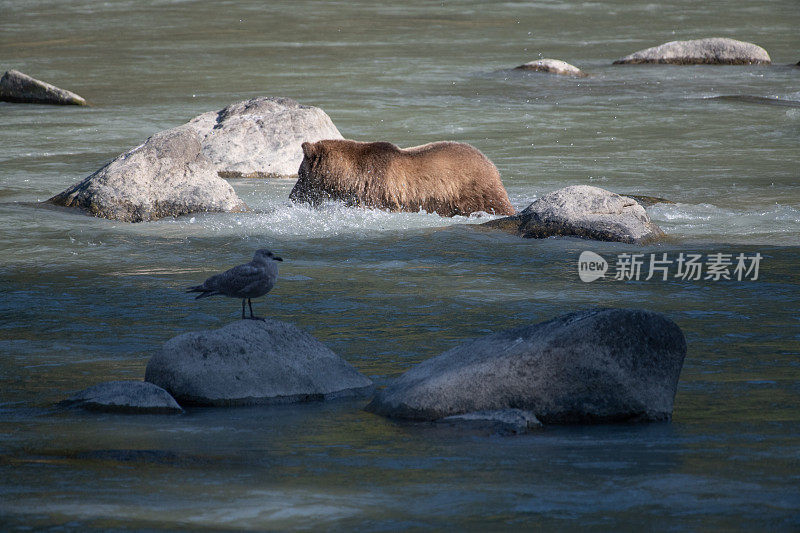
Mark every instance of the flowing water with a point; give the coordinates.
(86, 300)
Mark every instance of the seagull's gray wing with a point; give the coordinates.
(235, 280)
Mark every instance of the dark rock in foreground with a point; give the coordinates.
(124, 397)
(582, 211)
(712, 51)
(166, 176)
(604, 365)
(552, 66)
(21, 88)
(252, 362)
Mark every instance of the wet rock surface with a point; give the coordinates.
(20, 88)
(601, 365)
(552, 66)
(502, 422)
(582, 211)
(253, 362)
(124, 397)
(261, 137)
(711, 51)
(166, 176)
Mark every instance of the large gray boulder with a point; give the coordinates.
(712, 51)
(252, 362)
(180, 170)
(124, 397)
(552, 66)
(166, 176)
(603, 365)
(21, 88)
(262, 137)
(582, 211)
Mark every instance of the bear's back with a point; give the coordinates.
(448, 177)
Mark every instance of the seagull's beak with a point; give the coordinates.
(276, 258)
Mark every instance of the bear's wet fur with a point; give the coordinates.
(448, 178)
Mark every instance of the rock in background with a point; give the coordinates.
(603, 365)
(582, 211)
(262, 137)
(712, 51)
(167, 175)
(252, 362)
(179, 171)
(21, 88)
(553, 66)
(124, 397)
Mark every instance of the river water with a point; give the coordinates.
(85, 300)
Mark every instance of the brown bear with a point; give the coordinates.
(449, 178)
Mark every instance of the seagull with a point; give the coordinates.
(246, 281)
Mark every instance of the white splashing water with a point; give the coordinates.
(779, 224)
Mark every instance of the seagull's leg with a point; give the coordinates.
(243, 309)
(252, 316)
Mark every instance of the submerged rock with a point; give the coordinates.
(552, 66)
(582, 211)
(262, 137)
(166, 176)
(647, 201)
(124, 397)
(712, 51)
(753, 99)
(252, 362)
(21, 88)
(504, 421)
(603, 365)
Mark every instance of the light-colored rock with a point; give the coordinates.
(124, 397)
(165, 176)
(552, 66)
(504, 421)
(712, 51)
(21, 88)
(180, 170)
(582, 211)
(252, 362)
(602, 365)
(261, 137)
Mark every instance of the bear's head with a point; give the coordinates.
(342, 169)
(311, 153)
(310, 186)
